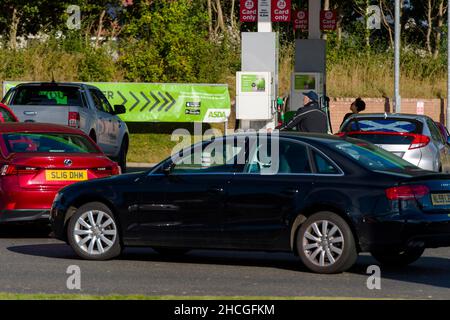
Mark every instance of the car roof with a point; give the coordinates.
(48, 83)
(304, 136)
(37, 127)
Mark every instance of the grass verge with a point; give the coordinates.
(14, 296)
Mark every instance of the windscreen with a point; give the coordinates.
(47, 142)
(47, 95)
(370, 156)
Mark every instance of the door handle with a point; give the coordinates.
(291, 191)
(216, 190)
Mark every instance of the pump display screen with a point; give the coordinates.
(305, 82)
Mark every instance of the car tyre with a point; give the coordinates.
(122, 158)
(398, 258)
(93, 233)
(325, 243)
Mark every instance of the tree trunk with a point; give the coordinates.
(438, 34)
(13, 30)
(210, 25)
(429, 9)
(367, 31)
(233, 23)
(386, 24)
(100, 28)
(220, 21)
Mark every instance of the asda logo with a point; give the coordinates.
(216, 115)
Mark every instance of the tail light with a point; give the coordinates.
(74, 119)
(419, 141)
(407, 192)
(340, 134)
(9, 170)
(116, 170)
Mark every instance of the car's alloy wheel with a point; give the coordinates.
(93, 232)
(325, 243)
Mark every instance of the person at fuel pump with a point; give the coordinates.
(356, 107)
(310, 117)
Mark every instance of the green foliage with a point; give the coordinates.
(176, 41)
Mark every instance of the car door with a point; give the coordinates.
(103, 127)
(112, 122)
(440, 144)
(267, 193)
(158, 223)
(191, 212)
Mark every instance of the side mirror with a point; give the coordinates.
(167, 169)
(119, 109)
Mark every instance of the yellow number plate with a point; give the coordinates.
(440, 199)
(66, 175)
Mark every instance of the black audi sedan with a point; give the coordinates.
(322, 197)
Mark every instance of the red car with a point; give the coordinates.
(37, 160)
(6, 114)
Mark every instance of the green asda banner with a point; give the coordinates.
(160, 102)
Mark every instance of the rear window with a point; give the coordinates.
(47, 142)
(391, 125)
(47, 96)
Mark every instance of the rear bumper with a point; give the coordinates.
(427, 234)
(400, 232)
(41, 215)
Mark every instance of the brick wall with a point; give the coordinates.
(434, 108)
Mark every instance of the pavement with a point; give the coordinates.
(30, 262)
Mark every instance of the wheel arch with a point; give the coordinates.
(85, 199)
(302, 216)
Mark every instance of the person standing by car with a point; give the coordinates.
(356, 107)
(309, 118)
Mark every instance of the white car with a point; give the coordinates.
(77, 105)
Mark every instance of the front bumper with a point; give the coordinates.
(11, 216)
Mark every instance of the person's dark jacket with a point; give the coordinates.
(310, 118)
(347, 115)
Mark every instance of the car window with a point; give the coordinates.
(370, 156)
(100, 101)
(435, 133)
(290, 157)
(46, 95)
(6, 116)
(47, 142)
(218, 156)
(393, 125)
(323, 165)
(6, 99)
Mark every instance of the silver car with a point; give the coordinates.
(415, 138)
